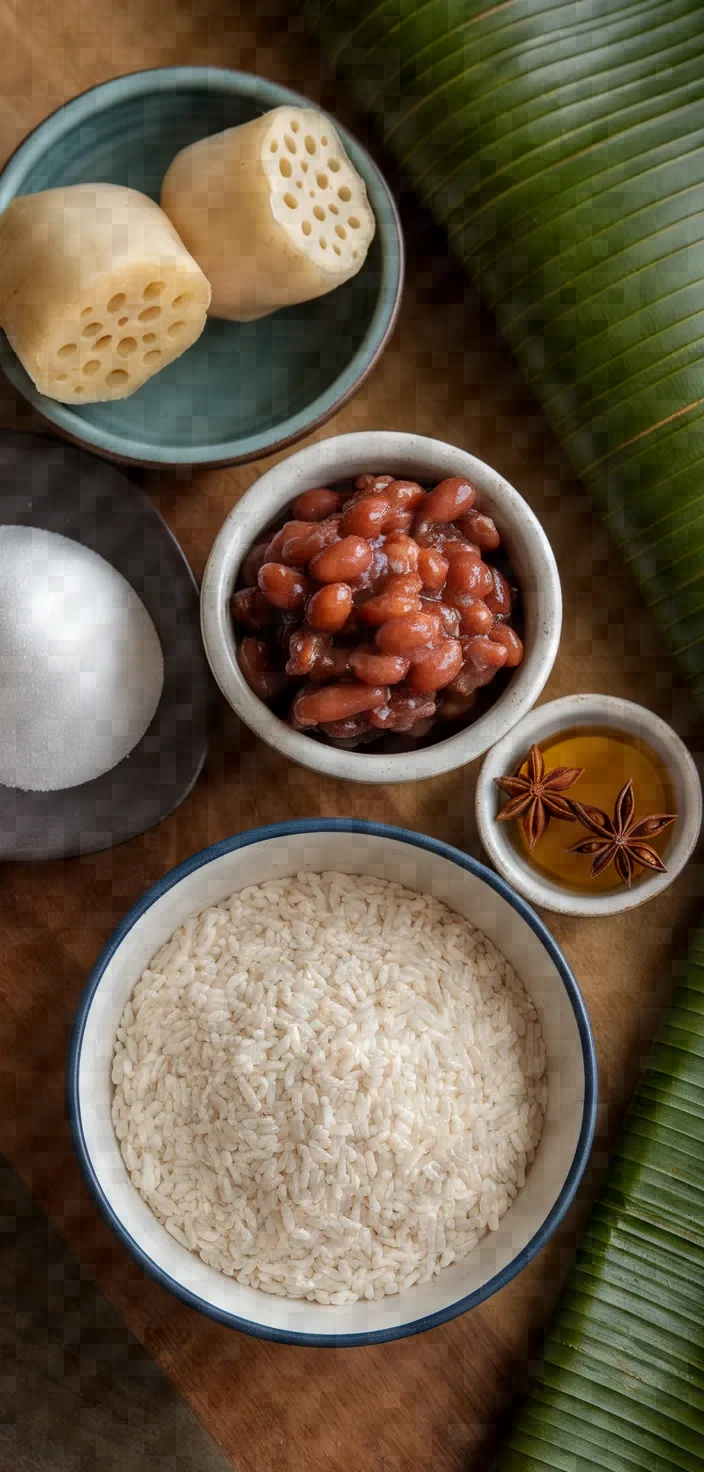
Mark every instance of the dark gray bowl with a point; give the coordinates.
(245, 389)
(46, 484)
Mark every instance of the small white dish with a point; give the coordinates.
(427, 460)
(542, 725)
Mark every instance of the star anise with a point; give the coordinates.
(536, 797)
(620, 840)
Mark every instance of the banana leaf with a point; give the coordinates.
(561, 145)
(622, 1382)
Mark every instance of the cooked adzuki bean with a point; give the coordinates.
(503, 634)
(313, 705)
(342, 561)
(317, 504)
(257, 661)
(481, 530)
(450, 499)
(375, 668)
(376, 607)
(498, 599)
(433, 668)
(330, 607)
(283, 586)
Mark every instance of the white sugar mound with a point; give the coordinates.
(329, 1087)
(81, 668)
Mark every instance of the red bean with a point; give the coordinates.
(433, 668)
(313, 655)
(403, 710)
(374, 668)
(481, 530)
(330, 607)
(405, 635)
(437, 535)
(252, 609)
(449, 617)
(467, 574)
(257, 661)
(316, 504)
(504, 635)
(336, 702)
(366, 517)
(405, 494)
(450, 498)
(256, 557)
(475, 617)
(402, 553)
(398, 599)
(484, 658)
(305, 539)
(498, 599)
(376, 483)
(343, 561)
(283, 586)
(433, 568)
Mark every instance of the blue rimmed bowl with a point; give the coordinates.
(422, 864)
(245, 389)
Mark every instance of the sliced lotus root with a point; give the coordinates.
(97, 292)
(274, 212)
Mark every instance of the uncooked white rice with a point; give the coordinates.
(329, 1086)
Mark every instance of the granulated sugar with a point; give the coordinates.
(329, 1087)
(81, 668)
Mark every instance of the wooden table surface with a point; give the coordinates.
(434, 1401)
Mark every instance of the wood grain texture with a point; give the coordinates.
(435, 1401)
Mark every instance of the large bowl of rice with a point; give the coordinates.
(332, 1082)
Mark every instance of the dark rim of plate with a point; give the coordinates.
(463, 861)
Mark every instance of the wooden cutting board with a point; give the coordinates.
(436, 1401)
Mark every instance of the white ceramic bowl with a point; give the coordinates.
(427, 460)
(422, 864)
(541, 725)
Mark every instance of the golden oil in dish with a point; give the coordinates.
(609, 758)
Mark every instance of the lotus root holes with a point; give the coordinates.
(150, 315)
(291, 201)
(333, 209)
(353, 222)
(117, 378)
(319, 212)
(92, 329)
(152, 358)
(182, 300)
(153, 290)
(307, 227)
(341, 232)
(295, 125)
(310, 143)
(68, 350)
(126, 346)
(324, 140)
(334, 165)
(285, 167)
(91, 367)
(345, 194)
(304, 166)
(323, 242)
(290, 143)
(337, 250)
(322, 181)
(176, 329)
(117, 301)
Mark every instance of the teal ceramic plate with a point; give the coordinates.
(244, 389)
